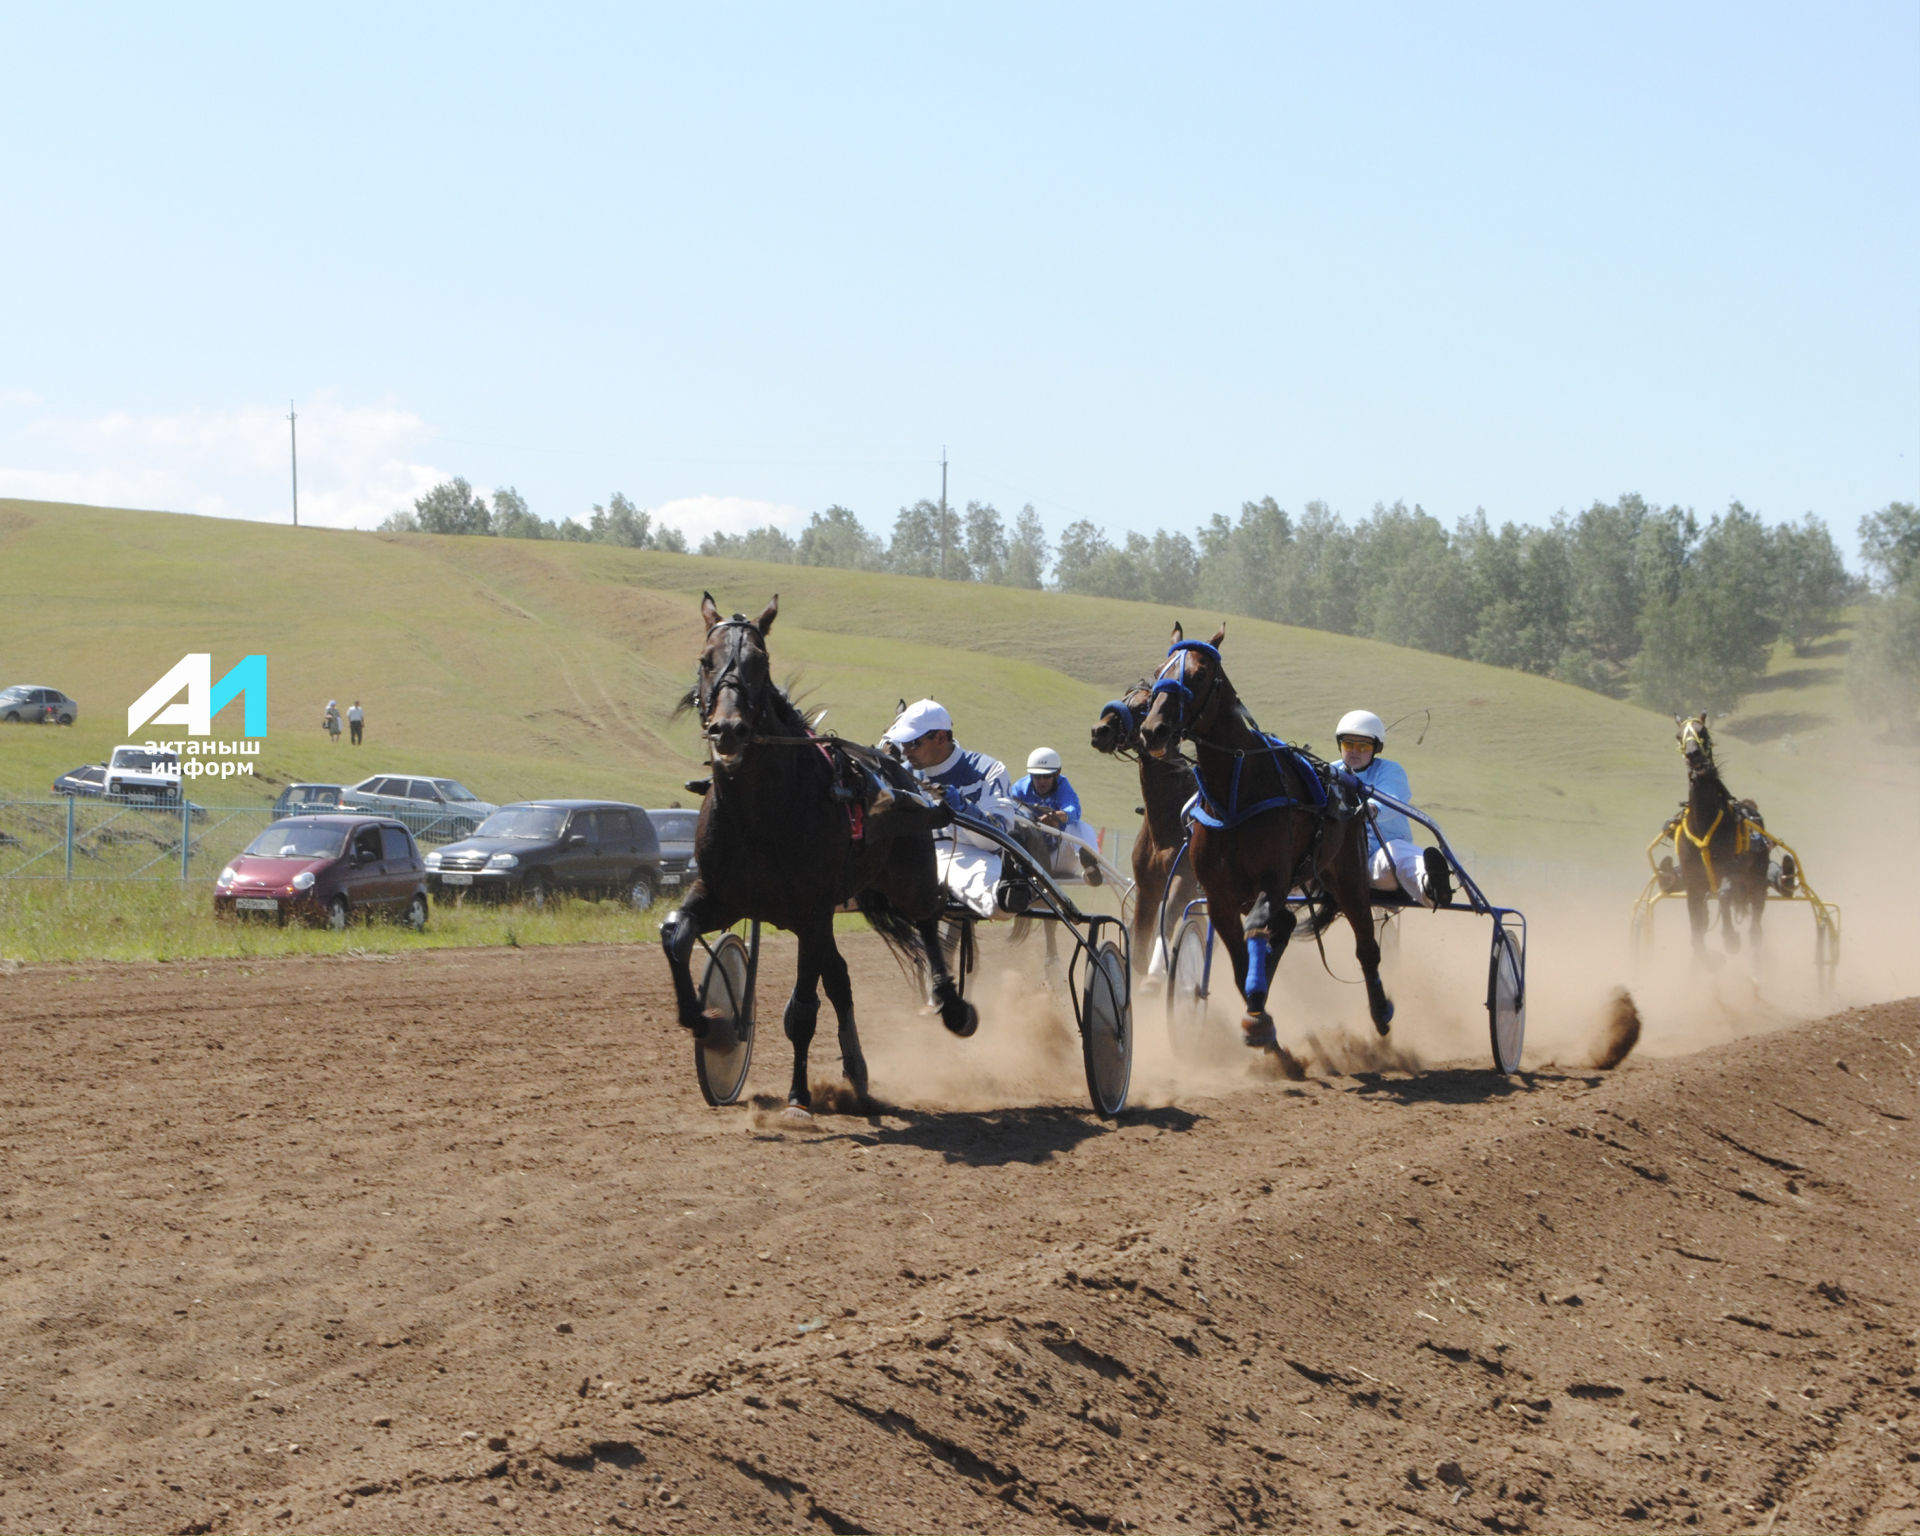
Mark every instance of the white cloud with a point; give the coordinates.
(18, 397)
(357, 463)
(698, 516)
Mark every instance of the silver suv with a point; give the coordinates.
(435, 810)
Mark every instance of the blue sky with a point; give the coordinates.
(1129, 264)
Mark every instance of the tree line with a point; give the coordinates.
(1883, 669)
(1624, 598)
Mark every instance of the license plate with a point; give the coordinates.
(669, 879)
(256, 904)
(456, 879)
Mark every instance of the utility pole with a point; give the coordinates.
(943, 511)
(293, 442)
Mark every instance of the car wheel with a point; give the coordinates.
(416, 918)
(641, 890)
(337, 914)
(537, 891)
(461, 829)
(13, 717)
(66, 719)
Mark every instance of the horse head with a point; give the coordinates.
(1186, 692)
(733, 684)
(1118, 727)
(1696, 743)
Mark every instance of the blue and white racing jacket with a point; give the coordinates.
(1389, 778)
(972, 782)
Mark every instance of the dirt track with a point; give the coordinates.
(450, 1243)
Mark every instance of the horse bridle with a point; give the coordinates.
(729, 678)
(1693, 731)
(1171, 679)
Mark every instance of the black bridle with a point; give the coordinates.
(731, 676)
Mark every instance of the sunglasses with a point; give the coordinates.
(1356, 741)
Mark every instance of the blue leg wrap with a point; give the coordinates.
(1259, 957)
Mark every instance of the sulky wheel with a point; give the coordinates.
(724, 990)
(1507, 998)
(1186, 988)
(1106, 1029)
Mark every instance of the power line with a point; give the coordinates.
(293, 444)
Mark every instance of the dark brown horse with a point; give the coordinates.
(1166, 784)
(783, 838)
(1714, 844)
(1266, 822)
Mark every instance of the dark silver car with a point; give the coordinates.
(435, 810)
(31, 704)
(674, 828)
(539, 849)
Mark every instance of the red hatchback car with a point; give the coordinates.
(327, 869)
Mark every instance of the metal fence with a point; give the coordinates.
(82, 838)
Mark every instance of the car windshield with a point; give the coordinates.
(454, 790)
(290, 840)
(143, 762)
(13, 695)
(532, 821)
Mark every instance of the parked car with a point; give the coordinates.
(674, 829)
(437, 810)
(306, 799)
(538, 849)
(31, 704)
(142, 773)
(88, 780)
(326, 869)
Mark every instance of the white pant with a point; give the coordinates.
(970, 874)
(1399, 863)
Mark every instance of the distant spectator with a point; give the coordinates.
(331, 721)
(354, 720)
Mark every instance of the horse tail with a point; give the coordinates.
(894, 927)
(1321, 910)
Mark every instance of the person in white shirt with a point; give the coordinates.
(971, 782)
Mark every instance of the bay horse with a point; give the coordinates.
(1266, 822)
(1166, 785)
(1713, 842)
(782, 838)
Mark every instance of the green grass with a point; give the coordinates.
(44, 920)
(531, 669)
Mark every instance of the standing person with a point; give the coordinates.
(971, 782)
(354, 719)
(1393, 860)
(331, 720)
(1050, 800)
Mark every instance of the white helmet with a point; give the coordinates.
(1043, 760)
(1362, 722)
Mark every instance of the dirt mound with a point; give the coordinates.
(322, 1244)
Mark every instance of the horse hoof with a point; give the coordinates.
(961, 1018)
(799, 1113)
(1256, 1032)
(856, 1073)
(1383, 1016)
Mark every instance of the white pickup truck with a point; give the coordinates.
(142, 773)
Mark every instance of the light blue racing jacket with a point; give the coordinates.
(1062, 799)
(1389, 778)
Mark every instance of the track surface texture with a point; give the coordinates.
(450, 1243)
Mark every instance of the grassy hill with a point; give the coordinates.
(527, 668)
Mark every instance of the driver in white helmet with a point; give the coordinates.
(1049, 799)
(1392, 858)
(971, 782)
